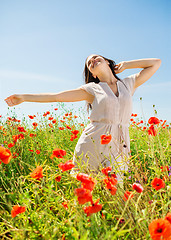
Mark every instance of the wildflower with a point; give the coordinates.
(50, 125)
(65, 205)
(32, 135)
(110, 185)
(106, 170)
(87, 181)
(68, 127)
(127, 195)
(160, 229)
(15, 154)
(38, 151)
(168, 217)
(59, 153)
(137, 187)
(89, 210)
(31, 150)
(152, 131)
(47, 112)
(31, 117)
(10, 145)
(21, 129)
(17, 210)
(55, 109)
(105, 139)
(158, 183)
(68, 165)
(37, 173)
(164, 168)
(58, 178)
(54, 121)
(153, 120)
(84, 195)
(34, 125)
(73, 137)
(61, 128)
(5, 155)
(50, 118)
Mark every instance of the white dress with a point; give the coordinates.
(109, 115)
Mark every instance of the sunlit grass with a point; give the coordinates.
(52, 210)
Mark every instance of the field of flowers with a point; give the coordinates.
(39, 199)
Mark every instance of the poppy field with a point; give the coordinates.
(40, 199)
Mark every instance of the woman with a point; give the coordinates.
(111, 102)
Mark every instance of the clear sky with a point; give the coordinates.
(44, 44)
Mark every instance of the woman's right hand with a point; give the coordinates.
(14, 99)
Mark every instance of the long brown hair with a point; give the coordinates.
(88, 77)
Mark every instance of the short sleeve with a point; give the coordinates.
(89, 87)
(129, 82)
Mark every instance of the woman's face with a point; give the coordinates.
(95, 63)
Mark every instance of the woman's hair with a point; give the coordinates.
(88, 77)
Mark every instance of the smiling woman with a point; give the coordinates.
(110, 99)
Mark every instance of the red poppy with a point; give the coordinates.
(58, 178)
(50, 118)
(168, 217)
(54, 121)
(89, 210)
(110, 185)
(31, 117)
(59, 153)
(10, 145)
(73, 137)
(127, 195)
(37, 173)
(158, 183)
(68, 165)
(152, 131)
(164, 168)
(17, 210)
(106, 170)
(21, 129)
(153, 120)
(50, 125)
(55, 109)
(61, 128)
(87, 181)
(34, 125)
(14, 155)
(47, 112)
(75, 132)
(68, 127)
(105, 139)
(38, 151)
(137, 187)
(32, 135)
(65, 205)
(160, 229)
(31, 150)
(84, 195)
(5, 155)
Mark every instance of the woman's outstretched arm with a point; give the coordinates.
(65, 96)
(150, 66)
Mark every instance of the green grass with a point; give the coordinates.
(46, 218)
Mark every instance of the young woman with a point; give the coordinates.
(110, 100)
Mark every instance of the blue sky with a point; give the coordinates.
(44, 44)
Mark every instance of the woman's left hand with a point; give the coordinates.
(120, 67)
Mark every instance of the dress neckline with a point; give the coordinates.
(111, 89)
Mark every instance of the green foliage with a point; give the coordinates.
(45, 216)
